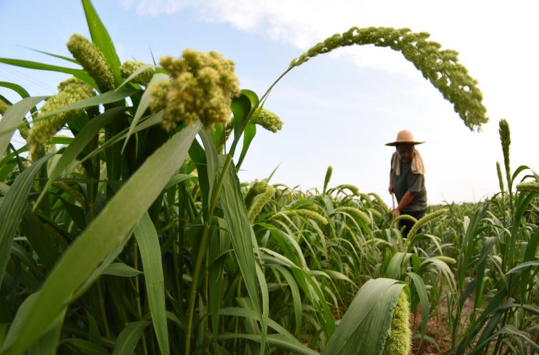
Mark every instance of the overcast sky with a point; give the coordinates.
(341, 108)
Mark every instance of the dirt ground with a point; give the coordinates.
(438, 329)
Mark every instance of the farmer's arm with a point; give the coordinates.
(405, 201)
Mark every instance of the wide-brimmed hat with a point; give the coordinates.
(404, 137)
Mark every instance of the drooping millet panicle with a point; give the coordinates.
(440, 67)
(500, 177)
(202, 86)
(70, 190)
(420, 223)
(258, 187)
(375, 213)
(259, 202)
(303, 213)
(329, 172)
(380, 202)
(352, 188)
(505, 139)
(355, 212)
(399, 340)
(531, 187)
(93, 61)
(269, 120)
(70, 91)
(130, 67)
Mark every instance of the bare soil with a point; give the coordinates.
(438, 328)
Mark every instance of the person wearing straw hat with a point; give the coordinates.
(407, 179)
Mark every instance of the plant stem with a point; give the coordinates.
(202, 253)
(137, 287)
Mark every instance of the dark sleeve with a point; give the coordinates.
(415, 182)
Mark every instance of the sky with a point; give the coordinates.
(339, 109)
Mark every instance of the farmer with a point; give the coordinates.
(407, 179)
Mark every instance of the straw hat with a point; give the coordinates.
(404, 137)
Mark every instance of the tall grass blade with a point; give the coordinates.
(150, 251)
(129, 337)
(101, 38)
(77, 73)
(143, 105)
(106, 98)
(12, 209)
(240, 232)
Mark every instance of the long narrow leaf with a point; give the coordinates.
(15, 87)
(143, 105)
(129, 338)
(77, 73)
(150, 251)
(12, 210)
(100, 238)
(101, 38)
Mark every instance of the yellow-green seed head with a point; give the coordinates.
(71, 91)
(317, 217)
(424, 220)
(24, 129)
(399, 340)
(505, 138)
(130, 67)
(77, 196)
(375, 213)
(3, 106)
(440, 67)
(329, 172)
(531, 187)
(352, 188)
(356, 212)
(258, 187)
(269, 120)
(93, 61)
(259, 202)
(202, 86)
(380, 202)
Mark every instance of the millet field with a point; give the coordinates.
(132, 234)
